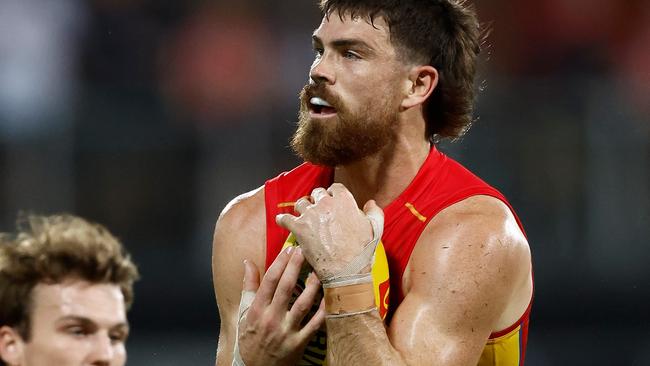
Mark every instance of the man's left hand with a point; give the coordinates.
(330, 229)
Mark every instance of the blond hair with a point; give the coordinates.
(50, 249)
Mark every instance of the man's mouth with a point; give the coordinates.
(320, 106)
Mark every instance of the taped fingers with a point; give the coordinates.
(247, 298)
(245, 303)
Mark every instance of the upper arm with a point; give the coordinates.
(468, 274)
(239, 234)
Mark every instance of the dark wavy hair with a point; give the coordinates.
(442, 33)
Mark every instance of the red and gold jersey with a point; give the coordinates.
(439, 183)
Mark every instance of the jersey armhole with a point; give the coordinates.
(516, 324)
(272, 249)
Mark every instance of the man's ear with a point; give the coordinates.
(422, 80)
(11, 346)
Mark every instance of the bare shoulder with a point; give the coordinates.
(479, 232)
(467, 277)
(475, 247)
(240, 233)
(484, 217)
(242, 218)
(479, 219)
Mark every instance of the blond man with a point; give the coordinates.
(65, 287)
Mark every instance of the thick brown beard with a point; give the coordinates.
(348, 138)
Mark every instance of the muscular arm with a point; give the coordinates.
(469, 275)
(271, 331)
(239, 234)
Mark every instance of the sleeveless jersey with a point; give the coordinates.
(439, 183)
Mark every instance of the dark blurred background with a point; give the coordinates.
(150, 115)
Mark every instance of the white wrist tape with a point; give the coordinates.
(247, 298)
(349, 275)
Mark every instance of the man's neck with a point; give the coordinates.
(384, 175)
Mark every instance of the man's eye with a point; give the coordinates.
(77, 331)
(118, 337)
(351, 55)
(318, 52)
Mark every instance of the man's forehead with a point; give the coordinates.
(335, 26)
(99, 302)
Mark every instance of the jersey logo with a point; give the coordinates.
(415, 212)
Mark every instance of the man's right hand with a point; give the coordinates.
(269, 332)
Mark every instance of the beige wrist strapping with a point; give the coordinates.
(349, 300)
(348, 292)
(247, 298)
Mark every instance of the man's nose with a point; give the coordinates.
(103, 351)
(322, 71)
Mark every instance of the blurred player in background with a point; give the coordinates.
(65, 287)
(390, 78)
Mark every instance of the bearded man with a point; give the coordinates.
(389, 79)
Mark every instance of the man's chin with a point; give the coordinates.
(315, 154)
(330, 157)
(317, 159)
(321, 141)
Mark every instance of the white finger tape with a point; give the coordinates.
(247, 298)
